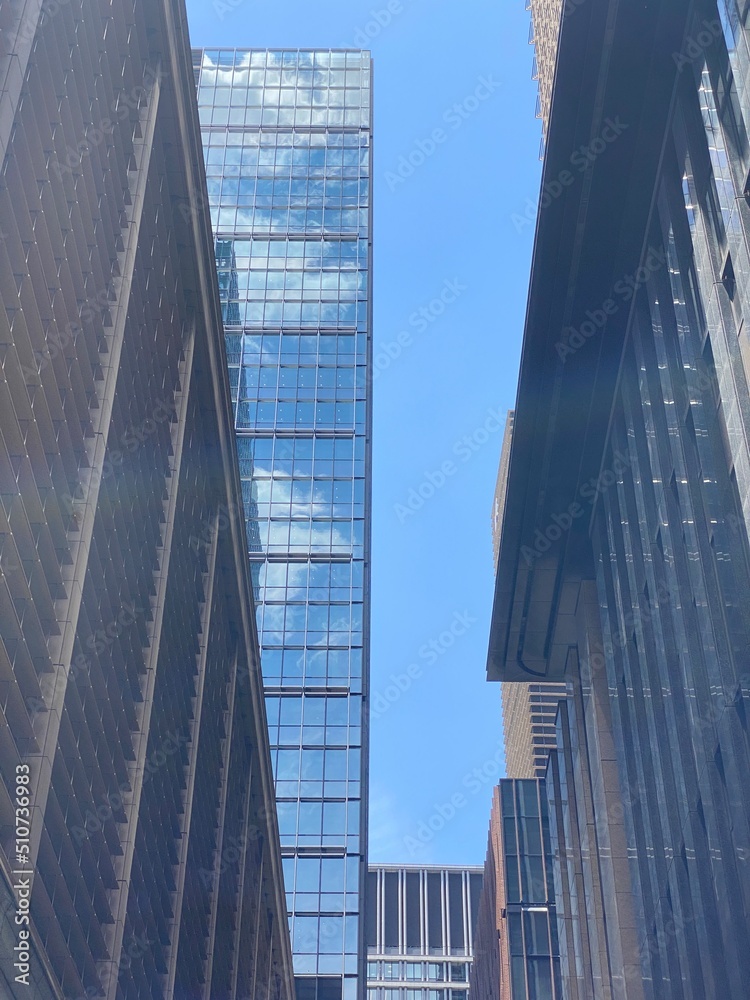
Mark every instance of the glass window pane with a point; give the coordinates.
(515, 934)
(533, 884)
(308, 875)
(528, 804)
(536, 926)
(511, 876)
(518, 977)
(540, 979)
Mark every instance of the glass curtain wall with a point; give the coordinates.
(286, 138)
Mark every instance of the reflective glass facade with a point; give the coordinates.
(286, 136)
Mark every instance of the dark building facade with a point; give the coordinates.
(529, 710)
(287, 140)
(516, 952)
(421, 923)
(139, 849)
(625, 561)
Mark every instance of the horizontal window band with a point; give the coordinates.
(315, 852)
(321, 691)
(302, 557)
(286, 129)
(307, 434)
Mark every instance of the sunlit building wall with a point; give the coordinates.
(501, 488)
(545, 33)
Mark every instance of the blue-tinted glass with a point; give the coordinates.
(536, 929)
(506, 798)
(539, 971)
(289, 185)
(526, 793)
(512, 880)
(518, 978)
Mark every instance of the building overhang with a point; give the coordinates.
(617, 73)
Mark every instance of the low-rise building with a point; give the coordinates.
(420, 931)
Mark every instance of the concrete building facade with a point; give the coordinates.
(545, 33)
(138, 840)
(501, 489)
(529, 727)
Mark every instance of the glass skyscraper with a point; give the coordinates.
(286, 137)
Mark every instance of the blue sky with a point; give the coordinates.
(453, 92)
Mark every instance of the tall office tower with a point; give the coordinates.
(529, 710)
(287, 139)
(545, 34)
(420, 931)
(625, 559)
(516, 955)
(139, 851)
